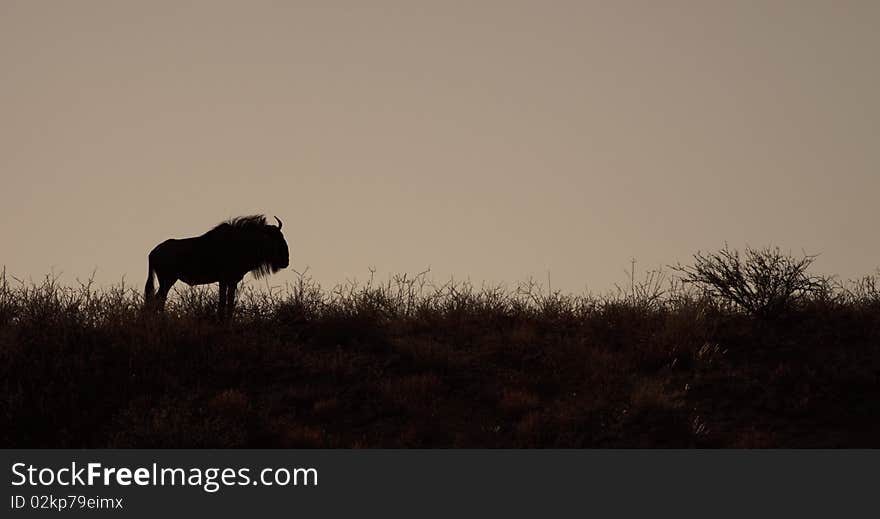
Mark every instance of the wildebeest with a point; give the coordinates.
(224, 254)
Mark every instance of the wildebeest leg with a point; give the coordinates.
(230, 299)
(221, 303)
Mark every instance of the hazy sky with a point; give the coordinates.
(491, 140)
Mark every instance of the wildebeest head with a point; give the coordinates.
(275, 254)
(278, 253)
(268, 244)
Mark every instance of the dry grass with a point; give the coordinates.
(408, 364)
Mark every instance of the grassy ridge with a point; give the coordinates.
(406, 364)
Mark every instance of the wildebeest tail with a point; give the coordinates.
(149, 289)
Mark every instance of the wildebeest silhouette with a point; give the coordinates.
(224, 254)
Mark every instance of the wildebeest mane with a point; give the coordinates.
(242, 223)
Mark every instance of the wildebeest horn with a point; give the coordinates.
(279, 223)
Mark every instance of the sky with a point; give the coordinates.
(486, 140)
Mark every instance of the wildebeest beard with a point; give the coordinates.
(264, 269)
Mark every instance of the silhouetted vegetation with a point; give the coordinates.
(408, 364)
(765, 282)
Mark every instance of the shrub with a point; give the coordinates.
(764, 282)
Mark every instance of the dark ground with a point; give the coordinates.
(389, 366)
